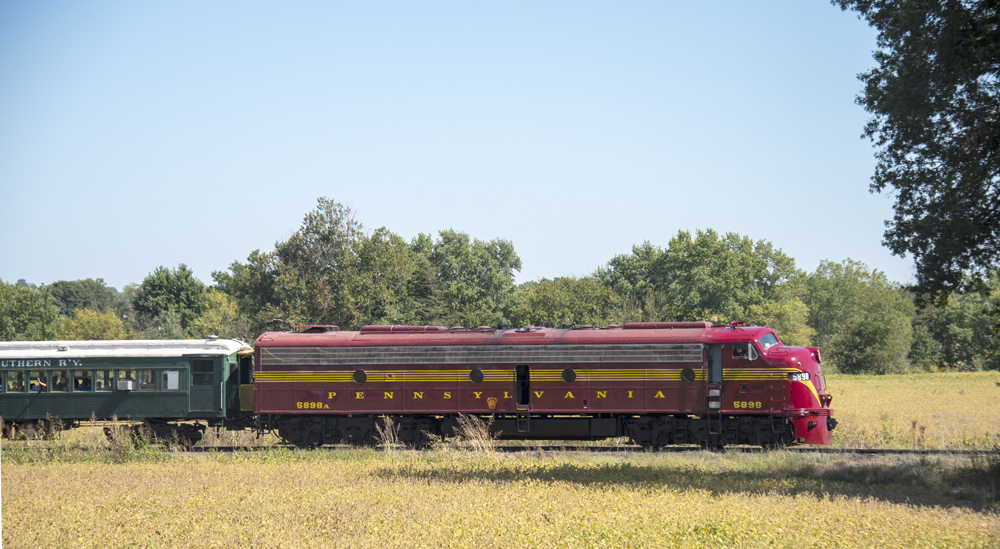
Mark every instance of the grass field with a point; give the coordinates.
(83, 491)
(940, 410)
(368, 498)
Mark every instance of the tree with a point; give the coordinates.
(384, 265)
(88, 293)
(252, 286)
(567, 300)
(476, 278)
(862, 321)
(789, 317)
(934, 100)
(221, 317)
(175, 290)
(424, 302)
(315, 264)
(637, 274)
(27, 314)
(327, 272)
(963, 329)
(88, 324)
(698, 277)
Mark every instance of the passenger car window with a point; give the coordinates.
(146, 379)
(38, 381)
(125, 375)
(202, 372)
(82, 380)
(15, 382)
(60, 381)
(171, 380)
(103, 381)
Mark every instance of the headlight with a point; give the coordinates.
(801, 376)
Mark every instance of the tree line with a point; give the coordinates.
(333, 271)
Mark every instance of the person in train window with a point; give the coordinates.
(739, 350)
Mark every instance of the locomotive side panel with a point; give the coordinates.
(616, 388)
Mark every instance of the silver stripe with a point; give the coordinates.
(481, 354)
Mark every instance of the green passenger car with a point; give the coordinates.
(173, 386)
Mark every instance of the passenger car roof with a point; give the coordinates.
(120, 348)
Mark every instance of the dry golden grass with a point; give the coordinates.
(437, 499)
(939, 410)
(82, 490)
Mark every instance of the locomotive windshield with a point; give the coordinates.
(767, 341)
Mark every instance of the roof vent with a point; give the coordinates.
(666, 325)
(213, 337)
(315, 328)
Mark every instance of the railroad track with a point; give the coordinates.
(624, 449)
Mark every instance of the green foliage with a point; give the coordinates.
(877, 343)
(88, 293)
(700, 277)
(424, 301)
(252, 286)
(567, 301)
(790, 318)
(88, 324)
(862, 321)
(715, 275)
(221, 317)
(965, 329)
(315, 265)
(174, 291)
(925, 351)
(27, 314)
(933, 99)
(476, 278)
(636, 275)
(327, 272)
(384, 265)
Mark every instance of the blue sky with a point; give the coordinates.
(139, 134)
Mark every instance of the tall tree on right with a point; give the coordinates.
(935, 101)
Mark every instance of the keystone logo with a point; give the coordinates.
(491, 402)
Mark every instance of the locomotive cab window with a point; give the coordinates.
(202, 372)
(741, 351)
(82, 380)
(767, 341)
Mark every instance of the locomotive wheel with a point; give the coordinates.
(315, 438)
(713, 446)
(783, 441)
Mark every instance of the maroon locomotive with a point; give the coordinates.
(655, 383)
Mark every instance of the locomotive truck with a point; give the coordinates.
(656, 383)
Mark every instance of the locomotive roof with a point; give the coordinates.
(633, 333)
(120, 348)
